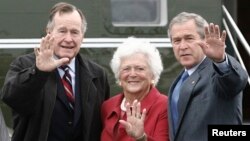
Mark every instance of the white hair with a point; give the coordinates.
(132, 46)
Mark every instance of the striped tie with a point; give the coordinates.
(67, 83)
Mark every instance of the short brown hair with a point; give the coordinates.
(183, 17)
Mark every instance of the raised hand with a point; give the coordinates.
(135, 120)
(215, 43)
(45, 60)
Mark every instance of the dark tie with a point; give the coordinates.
(175, 98)
(67, 83)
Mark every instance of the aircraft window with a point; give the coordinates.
(139, 12)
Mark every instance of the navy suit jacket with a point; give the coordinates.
(32, 96)
(208, 97)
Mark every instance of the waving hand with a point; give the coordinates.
(215, 43)
(45, 60)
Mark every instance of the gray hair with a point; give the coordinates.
(132, 46)
(63, 7)
(184, 17)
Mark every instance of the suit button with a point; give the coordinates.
(70, 123)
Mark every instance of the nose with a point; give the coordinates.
(183, 45)
(68, 37)
(132, 72)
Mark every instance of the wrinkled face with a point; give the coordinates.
(67, 33)
(185, 41)
(135, 74)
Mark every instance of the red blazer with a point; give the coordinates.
(156, 122)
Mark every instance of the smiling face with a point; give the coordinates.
(67, 33)
(135, 75)
(185, 40)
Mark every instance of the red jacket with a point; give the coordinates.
(156, 122)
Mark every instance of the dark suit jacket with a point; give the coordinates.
(208, 97)
(32, 96)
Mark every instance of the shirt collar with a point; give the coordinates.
(71, 64)
(190, 71)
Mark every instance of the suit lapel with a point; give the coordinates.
(186, 91)
(78, 96)
(185, 95)
(50, 92)
(88, 93)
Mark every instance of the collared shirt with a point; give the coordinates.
(71, 72)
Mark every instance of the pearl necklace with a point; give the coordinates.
(123, 108)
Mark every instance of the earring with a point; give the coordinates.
(153, 82)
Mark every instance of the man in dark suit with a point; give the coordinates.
(35, 85)
(211, 94)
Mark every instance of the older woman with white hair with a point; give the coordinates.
(139, 113)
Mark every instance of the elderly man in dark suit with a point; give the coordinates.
(56, 93)
(208, 90)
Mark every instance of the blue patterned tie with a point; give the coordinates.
(175, 98)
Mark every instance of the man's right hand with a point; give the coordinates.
(45, 60)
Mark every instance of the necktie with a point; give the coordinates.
(67, 84)
(175, 98)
